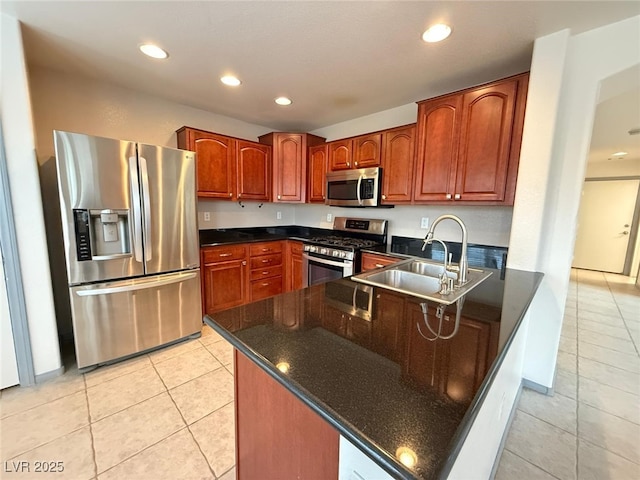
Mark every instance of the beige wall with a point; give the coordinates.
(67, 102)
(614, 168)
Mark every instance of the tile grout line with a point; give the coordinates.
(549, 423)
(531, 463)
(93, 447)
(40, 404)
(186, 423)
(622, 316)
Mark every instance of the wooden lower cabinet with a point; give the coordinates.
(295, 281)
(277, 436)
(371, 261)
(224, 277)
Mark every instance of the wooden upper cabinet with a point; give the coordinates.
(215, 161)
(469, 144)
(254, 171)
(317, 189)
(341, 155)
(227, 167)
(290, 164)
(485, 141)
(438, 138)
(367, 151)
(398, 152)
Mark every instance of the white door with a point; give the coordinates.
(604, 224)
(8, 363)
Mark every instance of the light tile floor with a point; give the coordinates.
(590, 428)
(169, 414)
(166, 415)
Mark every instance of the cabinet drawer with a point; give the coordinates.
(267, 272)
(295, 248)
(265, 248)
(223, 253)
(370, 261)
(266, 261)
(266, 288)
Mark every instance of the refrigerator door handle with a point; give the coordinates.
(131, 286)
(135, 206)
(146, 203)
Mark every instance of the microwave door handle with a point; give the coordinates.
(358, 188)
(146, 202)
(135, 207)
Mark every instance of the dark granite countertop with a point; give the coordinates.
(371, 374)
(225, 236)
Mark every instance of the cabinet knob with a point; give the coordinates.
(457, 196)
(244, 262)
(384, 197)
(278, 197)
(239, 195)
(355, 163)
(230, 194)
(448, 196)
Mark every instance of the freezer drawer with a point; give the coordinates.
(116, 319)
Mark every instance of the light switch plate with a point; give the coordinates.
(424, 222)
(278, 215)
(207, 216)
(329, 217)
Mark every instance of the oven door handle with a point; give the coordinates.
(325, 261)
(358, 189)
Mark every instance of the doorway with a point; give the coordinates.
(607, 225)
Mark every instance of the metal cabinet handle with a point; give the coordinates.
(266, 261)
(225, 254)
(379, 265)
(457, 196)
(265, 284)
(448, 196)
(265, 273)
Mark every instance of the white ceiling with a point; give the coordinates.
(336, 60)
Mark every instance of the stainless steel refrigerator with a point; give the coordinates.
(128, 213)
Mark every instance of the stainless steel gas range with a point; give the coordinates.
(335, 256)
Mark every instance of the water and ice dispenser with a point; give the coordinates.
(102, 234)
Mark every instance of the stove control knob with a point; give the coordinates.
(343, 254)
(323, 251)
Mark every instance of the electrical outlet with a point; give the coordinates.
(207, 216)
(278, 215)
(329, 217)
(424, 222)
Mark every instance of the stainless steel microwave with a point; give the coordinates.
(354, 188)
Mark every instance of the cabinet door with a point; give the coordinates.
(317, 174)
(225, 285)
(438, 135)
(215, 164)
(387, 329)
(367, 151)
(340, 155)
(294, 266)
(466, 359)
(398, 151)
(254, 171)
(485, 142)
(289, 168)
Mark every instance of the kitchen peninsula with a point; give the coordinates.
(315, 374)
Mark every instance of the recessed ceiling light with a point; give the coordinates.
(283, 101)
(619, 154)
(436, 33)
(153, 51)
(230, 80)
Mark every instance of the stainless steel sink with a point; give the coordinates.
(420, 278)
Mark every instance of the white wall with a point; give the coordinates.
(71, 103)
(25, 196)
(543, 239)
(486, 225)
(224, 214)
(614, 168)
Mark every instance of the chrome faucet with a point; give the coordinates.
(446, 284)
(464, 263)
